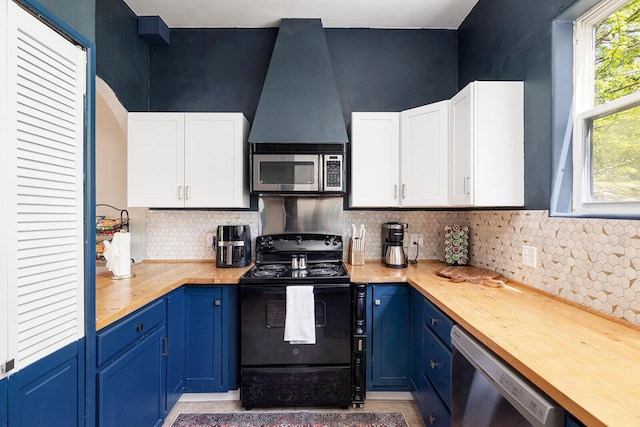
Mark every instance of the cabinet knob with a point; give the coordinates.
(466, 185)
(139, 327)
(216, 302)
(434, 364)
(165, 342)
(188, 192)
(377, 302)
(404, 186)
(179, 192)
(432, 419)
(434, 321)
(395, 191)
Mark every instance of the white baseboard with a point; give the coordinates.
(389, 395)
(235, 395)
(210, 397)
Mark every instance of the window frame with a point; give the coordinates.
(584, 111)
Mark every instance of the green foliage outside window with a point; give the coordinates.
(616, 137)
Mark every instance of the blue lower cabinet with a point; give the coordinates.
(49, 392)
(431, 360)
(131, 390)
(211, 338)
(4, 403)
(434, 412)
(175, 347)
(390, 358)
(417, 348)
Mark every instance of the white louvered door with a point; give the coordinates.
(44, 205)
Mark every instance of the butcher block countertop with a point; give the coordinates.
(117, 298)
(588, 363)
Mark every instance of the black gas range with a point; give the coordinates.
(298, 259)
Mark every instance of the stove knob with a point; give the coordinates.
(269, 242)
(327, 240)
(298, 240)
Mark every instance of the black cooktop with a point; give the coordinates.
(274, 265)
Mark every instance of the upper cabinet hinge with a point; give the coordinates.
(8, 366)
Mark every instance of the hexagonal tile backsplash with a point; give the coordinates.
(593, 262)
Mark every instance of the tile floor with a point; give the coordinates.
(407, 407)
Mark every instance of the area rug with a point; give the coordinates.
(292, 419)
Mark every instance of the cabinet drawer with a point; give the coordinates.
(437, 365)
(115, 339)
(434, 413)
(438, 322)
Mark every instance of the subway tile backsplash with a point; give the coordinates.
(593, 262)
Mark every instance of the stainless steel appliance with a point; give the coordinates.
(296, 168)
(233, 246)
(276, 372)
(487, 392)
(393, 253)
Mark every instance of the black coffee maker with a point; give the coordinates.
(233, 246)
(393, 254)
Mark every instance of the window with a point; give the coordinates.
(606, 132)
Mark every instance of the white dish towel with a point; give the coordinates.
(300, 319)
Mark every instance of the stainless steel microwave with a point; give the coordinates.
(298, 173)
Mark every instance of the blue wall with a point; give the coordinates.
(392, 70)
(210, 70)
(121, 55)
(512, 41)
(376, 70)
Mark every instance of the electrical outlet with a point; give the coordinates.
(210, 238)
(416, 238)
(529, 256)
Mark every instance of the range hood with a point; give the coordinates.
(299, 103)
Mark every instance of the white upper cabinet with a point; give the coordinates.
(375, 159)
(486, 145)
(400, 159)
(193, 160)
(423, 155)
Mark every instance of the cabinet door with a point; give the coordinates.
(215, 160)
(4, 402)
(375, 142)
(391, 367)
(461, 148)
(155, 162)
(424, 139)
(175, 346)
(203, 364)
(498, 144)
(131, 389)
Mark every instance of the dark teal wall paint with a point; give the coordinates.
(392, 70)
(79, 14)
(210, 70)
(512, 41)
(122, 55)
(375, 70)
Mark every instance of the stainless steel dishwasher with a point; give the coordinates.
(487, 392)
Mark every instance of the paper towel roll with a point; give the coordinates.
(118, 255)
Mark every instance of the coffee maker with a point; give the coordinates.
(233, 246)
(393, 254)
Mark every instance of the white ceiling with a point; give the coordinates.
(446, 14)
